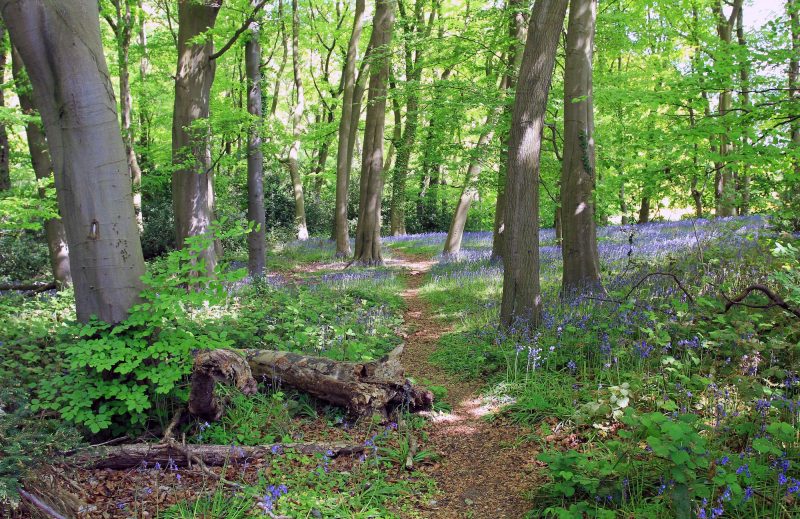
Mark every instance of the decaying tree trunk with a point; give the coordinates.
(363, 388)
(148, 454)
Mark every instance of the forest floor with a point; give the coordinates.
(485, 466)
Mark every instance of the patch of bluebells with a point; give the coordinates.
(271, 496)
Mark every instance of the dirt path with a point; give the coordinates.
(485, 468)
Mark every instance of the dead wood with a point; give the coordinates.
(363, 388)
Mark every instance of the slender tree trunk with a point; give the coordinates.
(124, 33)
(297, 130)
(42, 168)
(5, 171)
(644, 210)
(144, 69)
(725, 191)
(743, 185)
(61, 49)
(579, 250)
(469, 193)
(368, 231)
(517, 29)
(256, 241)
(341, 231)
(285, 45)
(793, 191)
(192, 186)
(522, 299)
(623, 204)
(413, 29)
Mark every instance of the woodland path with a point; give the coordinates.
(485, 468)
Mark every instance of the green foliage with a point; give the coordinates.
(249, 420)
(25, 440)
(113, 374)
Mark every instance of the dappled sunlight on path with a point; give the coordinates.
(486, 467)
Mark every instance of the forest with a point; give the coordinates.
(400, 259)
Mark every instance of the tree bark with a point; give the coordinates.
(297, 130)
(368, 230)
(579, 250)
(40, 160)
(136, 455)
(469, 193)
(793, 191)
(743, 184)
(341, 224)
(725, 190)
(517, 29)
(256, 239)
(192, 180)
(5, 170)
(644, 210)
(362, 388)
(522, 300)
(61, 49)
(124, 31)
(414, 28)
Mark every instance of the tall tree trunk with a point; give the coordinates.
(297, 130)
(793, 191)
(743, 185)
(192, 186)
(144, 70)
(414, 28)
(725, 191)
(623, 204)
(517, 29)
(5, 171)
(124, 32)
(256, 240)
(344, 150)
(61, 49)
(579, 249)
(522, 299)
(368, 230)
(40, 159)
(644, 210)
(469, 193)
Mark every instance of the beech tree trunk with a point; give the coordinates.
(522, 300)
(5, 171)
(725, 190)
(341, 224)
(469, 193)
(256, 239)
(416, 31)
(368, 230)
(192, 180)
(517, 29)
(40, 160)
(124, 31)
(743, 184)
(579, 250)
(363, 388)
(297, 130)
(61, 49)
(644, 210)
(793, 192)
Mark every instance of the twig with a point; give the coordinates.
(666, 274)
(775, 300)
(40, 505)
(169, 432)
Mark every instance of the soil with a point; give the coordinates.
(486, 467)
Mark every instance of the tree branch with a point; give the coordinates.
(775, 300)
(239, 31)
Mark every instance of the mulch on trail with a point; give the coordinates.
(485, 467)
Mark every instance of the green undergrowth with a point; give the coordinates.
(680, 408)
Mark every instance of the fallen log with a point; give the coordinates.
(28, 287)
(363, 388)
(146, 455)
